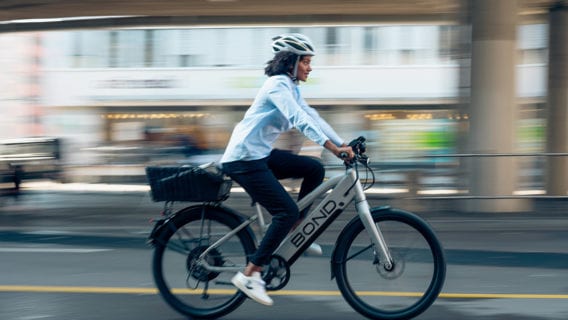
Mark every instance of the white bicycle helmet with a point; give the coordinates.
(294, 42)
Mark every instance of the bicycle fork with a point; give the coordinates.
(364, 212)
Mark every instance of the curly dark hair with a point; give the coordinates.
(282, 63)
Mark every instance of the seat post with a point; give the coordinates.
(261, 222)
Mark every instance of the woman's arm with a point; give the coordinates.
(280, 94)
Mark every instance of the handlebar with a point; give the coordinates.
(359, 147)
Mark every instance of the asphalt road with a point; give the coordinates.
(81, 254)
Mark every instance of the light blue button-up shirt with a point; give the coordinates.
(278, 107)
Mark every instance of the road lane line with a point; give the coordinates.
(132, 290)
(75, 289)
(51, 250)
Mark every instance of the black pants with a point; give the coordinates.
(259, 178)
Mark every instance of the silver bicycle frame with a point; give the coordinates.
(344, 189)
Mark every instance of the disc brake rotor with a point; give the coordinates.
(395, 270)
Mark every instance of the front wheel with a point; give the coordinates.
(183, 281)
(409, 286)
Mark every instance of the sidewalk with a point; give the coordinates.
(113, 211)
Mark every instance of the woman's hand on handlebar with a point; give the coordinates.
(344, 152)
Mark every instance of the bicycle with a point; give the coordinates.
(201, 247)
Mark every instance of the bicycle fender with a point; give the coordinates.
(334, 262)
(156, 231)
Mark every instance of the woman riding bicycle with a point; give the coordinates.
(251, 161)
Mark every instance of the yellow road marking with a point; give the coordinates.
(503, 296)
(132, 290)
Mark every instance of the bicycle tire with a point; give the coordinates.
(189, 289)
(410, 287)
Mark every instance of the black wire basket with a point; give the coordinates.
(187, 183)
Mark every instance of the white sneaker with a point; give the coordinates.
(253, 286)
(314, 250)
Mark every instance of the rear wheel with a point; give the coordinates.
(401, 291)
(183, 282)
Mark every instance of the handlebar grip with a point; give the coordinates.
(343, 155)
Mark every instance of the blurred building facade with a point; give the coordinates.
(125, 88)
(20, 88)
(112, 86)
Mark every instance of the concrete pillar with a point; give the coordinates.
(493, 111)
(557, 107)
(464, 90)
